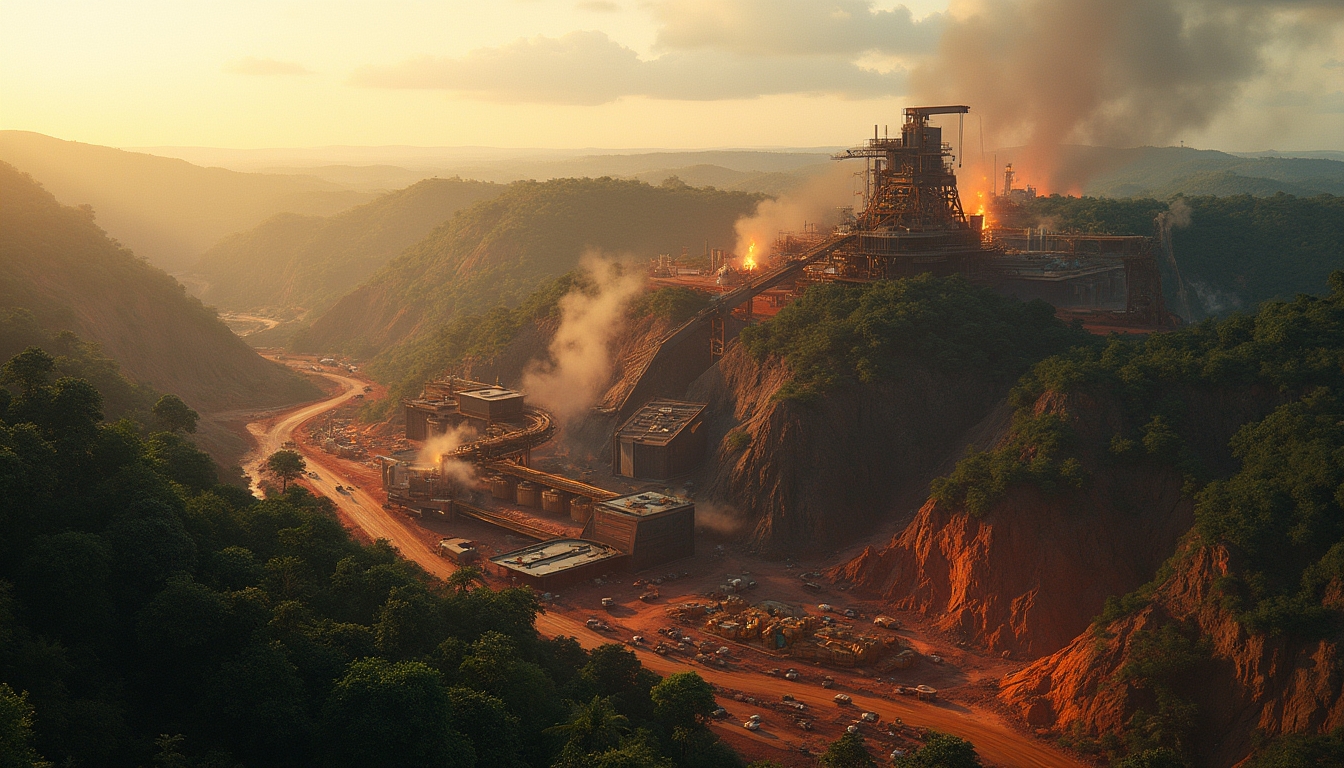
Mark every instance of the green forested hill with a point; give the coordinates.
(151, 617)
(56, 263)
(307, 262)
(168, 211)
(499, 251)
(1236, 251)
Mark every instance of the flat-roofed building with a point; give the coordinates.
(559, 562)
(653, 528)
(460, 551)
(491, 404)
(662, 440)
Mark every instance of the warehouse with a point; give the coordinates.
(553, 564)
(491, 404)
(654, 528)
(663, 440)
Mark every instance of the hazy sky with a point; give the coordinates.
(597, 73)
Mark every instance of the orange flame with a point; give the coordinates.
(749, 263)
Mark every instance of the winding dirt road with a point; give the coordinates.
(996, 742)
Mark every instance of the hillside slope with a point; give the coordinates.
(168, 211)
(307, 262)
(56, 263)
(499, 251)
(841, 408)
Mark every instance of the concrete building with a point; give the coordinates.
(460, 551)
(652, 527)
(491, 404)
(660, 441)
(553, 564)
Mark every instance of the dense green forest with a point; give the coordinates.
(150, 615)
(305, 263)
(500, 251)
(881, 330)
(1235, 252)
(59, 266)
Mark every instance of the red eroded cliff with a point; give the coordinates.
(1252, 682)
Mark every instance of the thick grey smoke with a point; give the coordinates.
(578, 367)
(1046, 73)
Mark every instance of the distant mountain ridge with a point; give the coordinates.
(308, 262)
(56, 263)
(501, 250)
(166, 210)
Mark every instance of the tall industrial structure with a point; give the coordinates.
(912, 221)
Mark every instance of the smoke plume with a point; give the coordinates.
(579, 365)
(1048, 73)
(434, 449)
(723, 519)
(817, 201)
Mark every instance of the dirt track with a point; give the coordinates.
(997, 743)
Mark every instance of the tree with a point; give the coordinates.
(593, 727)
(464, 578)
(173, 415)
(16, 731)
(848, 752)
(391, 714)
(942, 750)
(285, 465)
(683, 700)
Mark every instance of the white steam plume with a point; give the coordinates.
(432, 453)
(818, 200)
(578, 367)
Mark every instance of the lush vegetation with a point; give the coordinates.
(883, 330)
(1236, 252)
(500, 251)
(61, 268)
(150, 615)
(307, 262)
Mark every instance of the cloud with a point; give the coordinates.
(598, 6)
(590, 68)
(252, 65)
(792, 27)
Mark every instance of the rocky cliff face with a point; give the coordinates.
(798, 475)
(1249, 683)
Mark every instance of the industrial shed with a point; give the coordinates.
(652, 527)
(553, 564)
(662, 440)
(491, 404)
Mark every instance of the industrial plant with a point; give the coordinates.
(912, 222)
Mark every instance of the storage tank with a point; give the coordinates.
(528, 495)
(553, 501)
(501, 487)
(580, 509)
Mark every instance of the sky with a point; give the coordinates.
(1244, 75)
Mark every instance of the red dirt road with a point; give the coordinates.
(997, 743)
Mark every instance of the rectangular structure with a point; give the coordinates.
(662, 440)
(558, 562)
(652, 527)
(491, 404)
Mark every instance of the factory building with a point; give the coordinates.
(491, 404)
(652, 527)
(553, 564)
(660, 441)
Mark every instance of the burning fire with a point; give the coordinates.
(749, 263)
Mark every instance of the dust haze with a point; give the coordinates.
(579, 363)
(1120, 73)
(435, 447)
(817, 201)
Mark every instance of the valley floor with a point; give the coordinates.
(745, 686)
